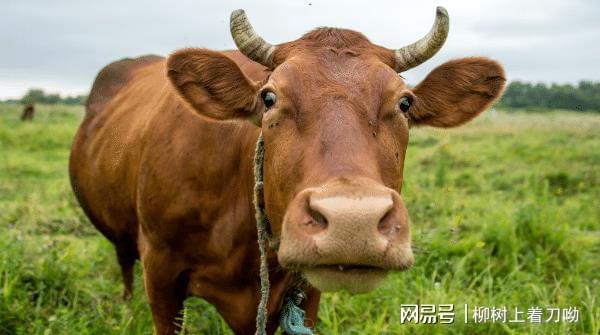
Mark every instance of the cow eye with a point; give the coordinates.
(404, 104)
(269, 98)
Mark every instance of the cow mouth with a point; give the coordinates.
(348, 267)
(345, 277)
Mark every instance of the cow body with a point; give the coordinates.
(175, 187)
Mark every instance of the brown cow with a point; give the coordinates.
(163, 163)
(28, 111)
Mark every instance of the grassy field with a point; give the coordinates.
(505, 212)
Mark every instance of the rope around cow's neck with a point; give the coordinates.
(261, 226)
(292, 316)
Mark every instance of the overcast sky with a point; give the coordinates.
(59, 45)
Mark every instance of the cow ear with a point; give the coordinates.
(456, 92)
(213, 84)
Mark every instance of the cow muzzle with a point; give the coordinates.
(346, 235)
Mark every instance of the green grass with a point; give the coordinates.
(505, 212)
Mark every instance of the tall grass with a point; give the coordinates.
(504, 212)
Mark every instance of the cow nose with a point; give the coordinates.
(372, 218)
(369, 212)
(346, 222)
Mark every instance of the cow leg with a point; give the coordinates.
(166, 290)
(127, 255)
(311, 306)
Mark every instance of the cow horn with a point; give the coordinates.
(248, 41)
(414, 54)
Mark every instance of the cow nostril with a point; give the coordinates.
(389, 224)
(314, 222)
(318, 218)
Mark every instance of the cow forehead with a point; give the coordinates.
(331, 75)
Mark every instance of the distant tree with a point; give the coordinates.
(36, 95)
(52, 99)
(75, 100)
(583, 97)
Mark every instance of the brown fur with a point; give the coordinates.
(111, 79)
(457, 91)
(203, 78)
(163, 169)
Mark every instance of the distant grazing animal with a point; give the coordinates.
(28, 112)
(163, 163)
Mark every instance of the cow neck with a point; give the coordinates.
(292, 316)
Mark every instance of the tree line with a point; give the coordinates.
(585, 96)
(38, 96)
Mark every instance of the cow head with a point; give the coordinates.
(335, 117)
